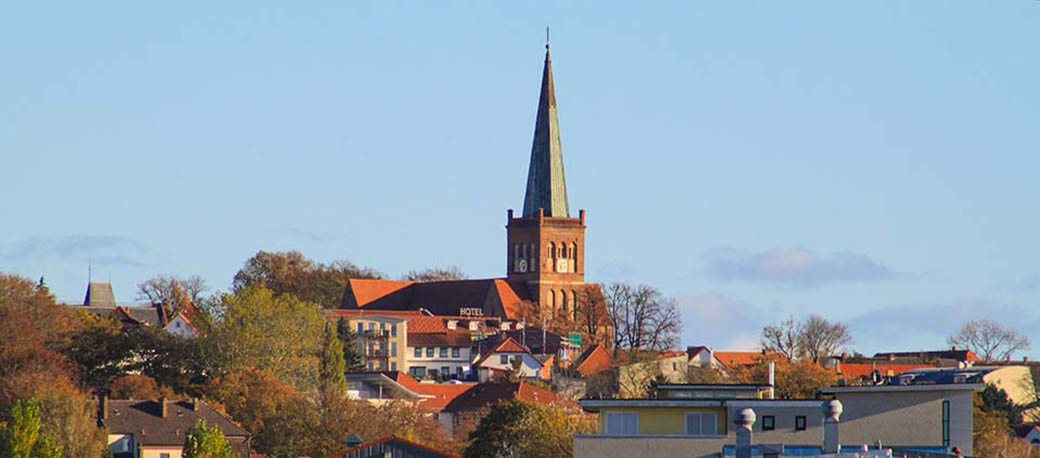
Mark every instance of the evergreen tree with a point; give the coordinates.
(333, 364)
(351, 349)
(20, 435)
(203, 441)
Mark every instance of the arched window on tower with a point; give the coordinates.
(552, 256)
(533, 262)
(516, 257)
(552, 301)
(574, 305)
(574, 255)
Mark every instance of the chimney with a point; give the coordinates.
(581, 216)
(509, 215)
(745, 419)
(831, 413)
(954, 348)
(196, 404)
(772, 380)
(102, 409)
(1025, 359)
(162, 407)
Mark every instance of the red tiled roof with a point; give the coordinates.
(365, 291)
(422, 324)
(443, 339)
(664, 354)
(593, 360)
(742, 358)
(508, 345)
(388, 439)
(958, 355)
(486, 394)
(442, 298)
(512, 304)
(865, 369)
(347, 313)
(442, 394)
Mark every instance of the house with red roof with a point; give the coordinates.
(593, 360)
(503, 359)
(466, 410)
(390, 446)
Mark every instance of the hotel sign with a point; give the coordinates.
(471, 311)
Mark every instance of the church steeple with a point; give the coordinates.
(546, 187)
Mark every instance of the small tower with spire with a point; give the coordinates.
(546, 246)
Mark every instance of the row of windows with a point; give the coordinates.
(696, 423)
(372, 327)
(372, 366)
(431, 352)
(527, 254)
(444, 371)
(564, 301)
(381, 347)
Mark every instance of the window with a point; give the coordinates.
(429, 352)
(618, 423)
(444, 352)
(446, 371)
(701, 424)
(360, 328)
(371, 326)
(503, 359)
(393, 366)
(393, 330)
(418, 352)
(799, 423)
(946, 423)
(393, 348)
(433, 373)
(370, 366)
(164, 455)
(455, 352)
(574, 254)
(458, 371)
(382, 326)
(418, 371)
(768, 423)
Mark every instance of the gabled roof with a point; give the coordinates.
(486, 394)
(425, 324)
(144, 420)
(507, 345)
(387, 444)
(441, 394)
(442, 298)
(593, 360)
(742, 358)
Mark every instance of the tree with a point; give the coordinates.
(136, 386)
(173, 293)
(333, 364)
(813, 338)
(523, 430)
(590, 311)
(782, 339)
(278, 333)
(642, 318)
(989, 340)
(21, 436)
(102, 351)
(819, 338)
(436, 274)
(351, 348)
(794, 379)
(292, 273)
(991, 433)
(201, 441)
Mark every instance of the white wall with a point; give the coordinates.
(529, 368)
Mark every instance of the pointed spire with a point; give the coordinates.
(546, 187)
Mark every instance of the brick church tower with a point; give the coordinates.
(546, 246)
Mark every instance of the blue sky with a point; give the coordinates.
(874, 162)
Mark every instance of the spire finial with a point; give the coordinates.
(546, 38)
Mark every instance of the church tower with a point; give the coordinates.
(546, 246)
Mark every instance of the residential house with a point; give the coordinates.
(390, 446)
(593, 360)
(500, 360)
(1017, 381)
(156, 429)
(464, 412)
(182, 326)
(678, 423)
(1030, 432)
(704, 357)
(636, 370)
(442, 355)
(944, 358)
(382, 336)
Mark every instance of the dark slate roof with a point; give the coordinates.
(99, 294)
(143, 419)
(441, 339)
(944, 376)
(546, 186)
(129, 316)
(488, 393)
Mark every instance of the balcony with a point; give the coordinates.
(375, 334)
(376, 353)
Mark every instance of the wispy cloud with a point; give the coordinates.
(1029, 284)
(721, 322)
(98, 249)
(794, 266)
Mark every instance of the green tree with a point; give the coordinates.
(333, 364)
(524, 430)
(203, 441)
(278, 333)
(436, 274)
(292, 273)
(21, 436)
(351, 348)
